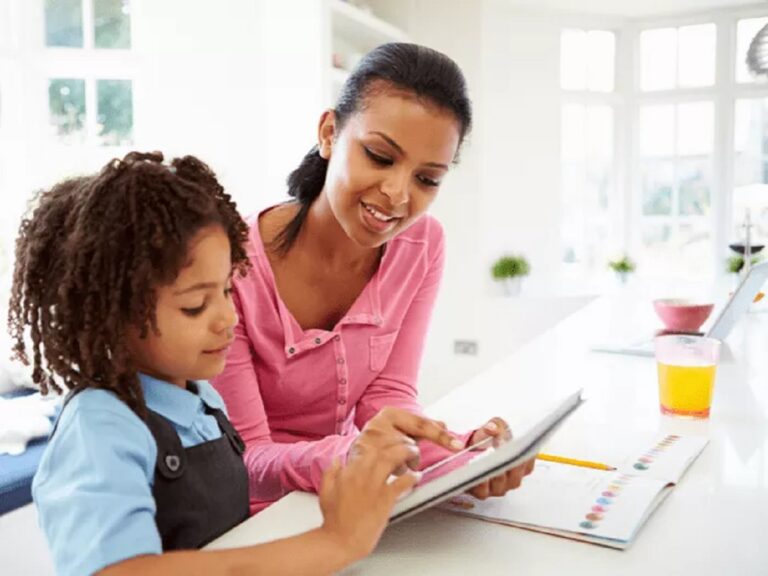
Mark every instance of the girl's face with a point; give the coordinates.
(195, 316)
(386, 164)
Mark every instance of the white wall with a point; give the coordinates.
(504, 195)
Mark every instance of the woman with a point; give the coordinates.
(351, 268)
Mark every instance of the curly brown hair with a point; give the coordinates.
(88, 260)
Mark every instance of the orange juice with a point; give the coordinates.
(686, 390)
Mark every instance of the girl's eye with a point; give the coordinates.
(381, 160)
(228, 292)
(428, 181)
(192, 312)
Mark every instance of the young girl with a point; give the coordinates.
(122, 289)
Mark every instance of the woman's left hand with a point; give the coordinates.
(499, 485)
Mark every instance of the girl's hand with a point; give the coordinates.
(511, 479)
(357, 499)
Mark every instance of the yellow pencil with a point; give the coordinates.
(574, 462)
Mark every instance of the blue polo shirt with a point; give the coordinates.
(93, 489)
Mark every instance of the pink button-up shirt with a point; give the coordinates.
(298, 397)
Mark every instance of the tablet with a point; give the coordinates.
(459, 472)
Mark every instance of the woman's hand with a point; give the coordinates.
(499, 485)
(357, 499)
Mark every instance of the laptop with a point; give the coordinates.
(736, 306)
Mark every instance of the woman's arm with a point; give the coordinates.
(395, 385)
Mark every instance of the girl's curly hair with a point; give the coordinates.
(88, 260)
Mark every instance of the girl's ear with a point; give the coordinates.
(326, 133)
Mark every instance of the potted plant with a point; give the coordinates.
(510, 270)
(623, 267)
(736, 263)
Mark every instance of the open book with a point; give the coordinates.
(598, 506)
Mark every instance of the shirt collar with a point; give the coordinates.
(177, 404)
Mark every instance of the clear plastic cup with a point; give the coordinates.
(686, 367)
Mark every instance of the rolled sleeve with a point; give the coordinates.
(93, 489)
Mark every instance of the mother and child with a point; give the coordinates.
(214, 364)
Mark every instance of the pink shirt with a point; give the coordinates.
(299, 398)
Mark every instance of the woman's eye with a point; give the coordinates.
(381, 160)
(428, 181)
(193, 311)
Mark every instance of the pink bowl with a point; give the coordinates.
(681, 315)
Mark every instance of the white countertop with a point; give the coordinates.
(714, 522)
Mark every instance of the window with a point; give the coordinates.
(677, 57)
(587, 60)
(89, 109)
(112, 24)
(66, 101)
(751, 168)
(676, 142)
(64, 23)
(587, 152)
(684, 196)
(587, 183)
(87, 24)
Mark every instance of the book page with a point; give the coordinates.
(585, 502)
(570, 498)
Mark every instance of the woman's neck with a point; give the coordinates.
(323, 238)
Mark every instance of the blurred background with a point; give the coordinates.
(606, 130)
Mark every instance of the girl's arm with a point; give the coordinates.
(356, 501)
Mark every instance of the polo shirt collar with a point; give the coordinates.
(176, 404)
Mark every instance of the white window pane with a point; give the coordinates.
(751, 141)
(115, 112)
(658, 59)
(745, 32)
(695, 128)
(658, 178)
(112, 24)
(64, 23)
(601, 48)
(66, 105)
(573, 132)
(657, 130)
(600, 133)
(696, 46)
(694, 182)
(573, 60)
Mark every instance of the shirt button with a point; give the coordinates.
(291, 350)
(340, 420)
(337, 338)
(343, 381)
(342, 401)
(317, 340)
(339, 360)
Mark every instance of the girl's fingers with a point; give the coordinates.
(392, 458)
(403, 485)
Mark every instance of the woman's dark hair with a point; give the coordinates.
(426, 73)
(89, 257)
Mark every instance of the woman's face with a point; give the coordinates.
(386, 164)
